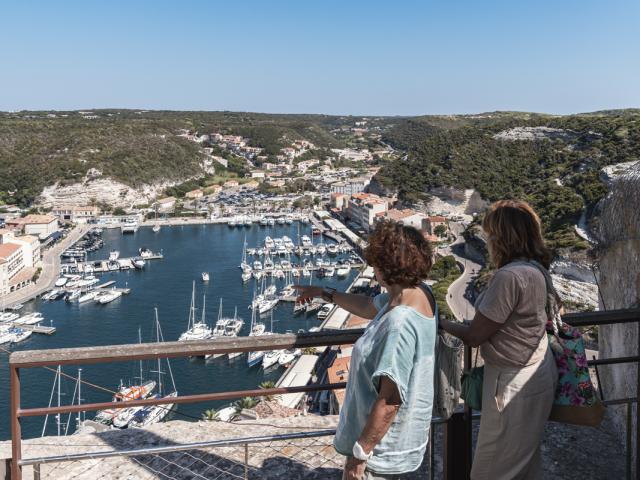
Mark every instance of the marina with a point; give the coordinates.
(188, 251)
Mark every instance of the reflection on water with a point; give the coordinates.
(167, 283)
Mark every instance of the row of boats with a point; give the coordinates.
(247, 220)
(226, 327)
(305, 247)
(90, 242)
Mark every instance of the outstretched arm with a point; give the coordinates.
(359, 305)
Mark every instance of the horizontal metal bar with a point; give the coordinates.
(204, 397)
(602, 317)
(191, 446)
(146, 351)
(613, 361)
(176, 448)
(619, 401)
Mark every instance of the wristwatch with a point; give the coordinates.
(327, 294)
(358, 453)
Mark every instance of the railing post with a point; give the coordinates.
(458, 438)
(16, 433)
(246, 461)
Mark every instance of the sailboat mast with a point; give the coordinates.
(204, 306)
(140, 342)
(58, 415)
(158, 339)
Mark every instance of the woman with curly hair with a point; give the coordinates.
(384, 422)
(509, 327)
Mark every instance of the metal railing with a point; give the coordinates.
(458, 434)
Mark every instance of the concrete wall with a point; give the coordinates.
(619, 278)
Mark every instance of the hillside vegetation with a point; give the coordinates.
(135, 148)
(554, 174)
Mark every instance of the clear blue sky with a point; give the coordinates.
(389, 57)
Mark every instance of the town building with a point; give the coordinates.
(430, 223)
(12, 264)
(406, 216)
(31, 249)
(351, 186)
(194, 194)
(231, 184)
(166, 204)
(76, 214)
(339, 201)
(40, 225)
(213, 189)
(363, 209)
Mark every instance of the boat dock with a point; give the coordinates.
(35, 328)
(101, 266)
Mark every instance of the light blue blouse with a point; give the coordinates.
(400, 345)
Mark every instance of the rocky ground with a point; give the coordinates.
(568, 452)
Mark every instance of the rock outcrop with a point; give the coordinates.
(619, 278)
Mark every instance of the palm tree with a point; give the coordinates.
(265, 385)
(245, 403)
(210, 415)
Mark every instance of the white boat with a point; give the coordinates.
(280, 221)
(205, 276)
(257, 265)
(268, 243)
(30, 319)
(325, 310)
(279, 274)
(332, 249)
(264, 222)
(232, 222)
(61, 282)
(233, 326)
(251, 251)
(129, 227)
(288, 243)
(125, 394)
(330, 272)
(343, 271)
(5, 335)
(114, 255)
(139, 263)
(90, 295)
(8, 317)
(19, 335)
(295, 272)
(145, 252)
(219, 330)
(108, 296)
(306, 272)
(227, 414)
(156, 228)
(271, 222)
(257, 274)
(306, 241)
(270, 358)
(321, 249)
(73, 295)
(246, 275)
(196, 330)
(266, 304)
(288, 356)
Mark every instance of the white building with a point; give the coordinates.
(76, 214)
(351, 186)
(40, 225)
(364, 207)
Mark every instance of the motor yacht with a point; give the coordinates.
(205, 276)
(288, 356)
(108, 296)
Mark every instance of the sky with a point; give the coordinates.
(335, 57)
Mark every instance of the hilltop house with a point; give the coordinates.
(76, 214)
(166, 204)
(430, 223)
(194, 194)
(363, 208)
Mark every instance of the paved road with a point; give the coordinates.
(50, 269)
(458, 304)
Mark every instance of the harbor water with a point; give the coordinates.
(167, 285)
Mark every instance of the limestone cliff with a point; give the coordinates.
(619, 277)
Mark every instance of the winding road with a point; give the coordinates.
(458, 304)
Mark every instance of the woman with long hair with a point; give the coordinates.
(509, 327)
(386, 414)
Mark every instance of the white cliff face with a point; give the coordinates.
(619, 277)
(95, 188)
(534, 133)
